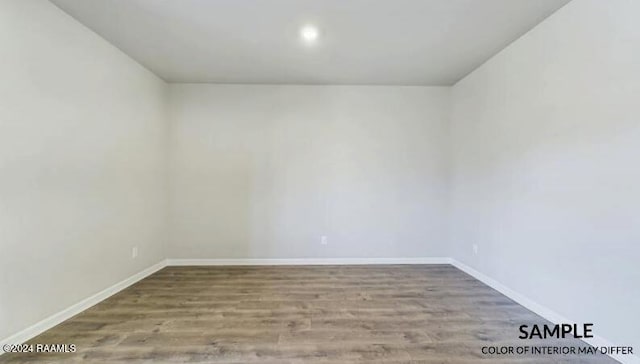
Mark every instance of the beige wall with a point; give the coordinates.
(265, 171)
(546, 171)
(82, 164)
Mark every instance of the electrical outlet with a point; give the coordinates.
(323, 240)
(134, 252)
(475, 248)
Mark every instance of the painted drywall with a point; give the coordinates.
(407, 42)
(544, 176)
(266, 171)
(82, 164)
(545, 171)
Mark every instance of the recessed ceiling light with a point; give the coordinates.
(309, 34)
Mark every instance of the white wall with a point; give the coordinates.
(546, 166)
(82, 163)
(544, 163)
(264, 171)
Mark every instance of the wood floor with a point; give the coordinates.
(302, 314)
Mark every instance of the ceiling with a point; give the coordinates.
(406, 42)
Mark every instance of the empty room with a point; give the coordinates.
(320, 181)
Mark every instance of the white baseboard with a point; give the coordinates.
(71, 311)
(540, 310)
(57, 318)
(309, 261)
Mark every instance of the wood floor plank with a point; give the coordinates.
(396, 314)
